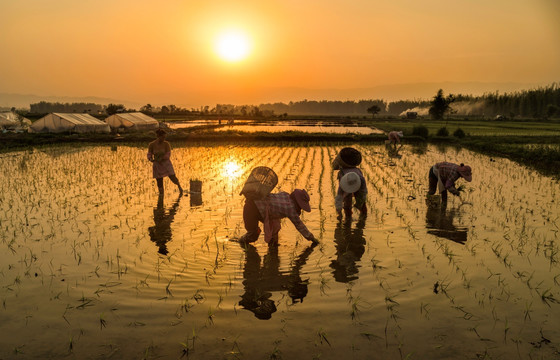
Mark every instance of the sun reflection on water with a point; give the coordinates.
(231, 170)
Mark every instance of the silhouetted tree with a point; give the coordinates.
(551, 110)
(440, 105)
(147, 108)
(373, 110)
(112, 109)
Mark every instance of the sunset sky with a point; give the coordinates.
(166, 52)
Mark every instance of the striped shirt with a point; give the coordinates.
(448, 174)
(278, 206)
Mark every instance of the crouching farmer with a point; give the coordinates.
(443, 176)
(395, 137)
(270, 210)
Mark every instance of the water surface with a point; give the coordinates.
(95, 265)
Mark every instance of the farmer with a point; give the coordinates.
(270, 210)
(443, 176)
(351, 183)
(159, 152)
(395, 137)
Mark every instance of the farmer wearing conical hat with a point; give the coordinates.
(351, 183)
(270, 210)
(443, 176)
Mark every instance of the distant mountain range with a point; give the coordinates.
(412, 91)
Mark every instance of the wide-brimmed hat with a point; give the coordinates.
(302, 199)
(349, 157)
(465, 172)
(350, 183)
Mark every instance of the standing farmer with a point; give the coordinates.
(159, 152)
(443, 176)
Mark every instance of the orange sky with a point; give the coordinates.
(162, 52)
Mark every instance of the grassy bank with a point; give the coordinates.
(473, 126)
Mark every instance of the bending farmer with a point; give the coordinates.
(270, 210)
(443, 175)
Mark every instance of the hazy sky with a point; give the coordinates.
(163, 51)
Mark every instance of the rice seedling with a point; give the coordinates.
(323, 337)
(102, 321)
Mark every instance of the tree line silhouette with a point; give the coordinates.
(542, 102)
(44, 107)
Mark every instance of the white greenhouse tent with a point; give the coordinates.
(136, 121)
(68, 122)
(7, 120)
(11, 120)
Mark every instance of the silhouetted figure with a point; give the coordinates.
(160, 233)
(159, 153)
(350, 246)
(352, 183)
(439, 222)
(395, 137)
(260, 281)
(270, 210)
(442, 177)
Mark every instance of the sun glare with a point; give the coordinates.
(231, 169)
(233, 46)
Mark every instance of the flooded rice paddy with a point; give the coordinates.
(251, 126)
(318, 129)
(94, 265)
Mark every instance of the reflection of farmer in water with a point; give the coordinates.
(259, 281)
(443, 175)
(160, 233)
(350, 246)
(393, 150)
(439, 222)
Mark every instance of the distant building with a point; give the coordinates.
(411, 115)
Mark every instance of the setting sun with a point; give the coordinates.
(233, 46)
